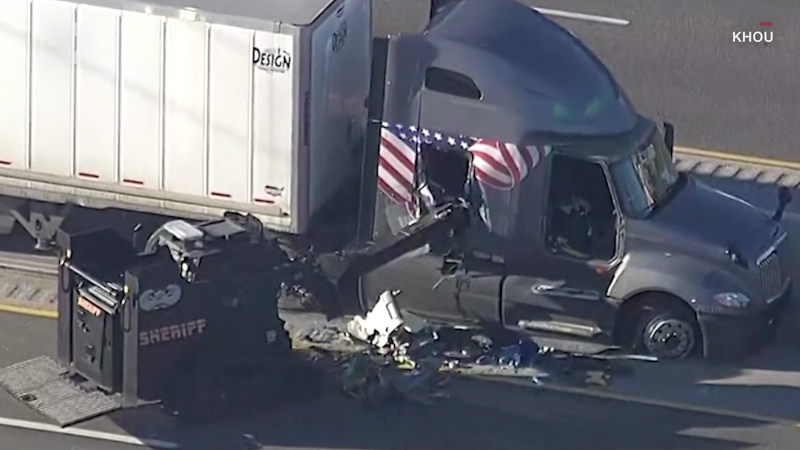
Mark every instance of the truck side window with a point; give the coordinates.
(452, 83)
(580, 219)
(444, 175)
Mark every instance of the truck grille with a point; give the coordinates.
(772, 277)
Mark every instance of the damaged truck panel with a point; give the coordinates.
(431, 286)
(447, 88)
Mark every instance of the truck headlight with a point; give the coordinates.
(733, 300)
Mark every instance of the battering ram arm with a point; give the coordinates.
(445, 221)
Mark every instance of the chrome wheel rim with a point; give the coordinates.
(669, 339)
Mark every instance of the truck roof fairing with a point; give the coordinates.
(532, 72)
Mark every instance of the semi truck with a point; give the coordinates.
(490, 167)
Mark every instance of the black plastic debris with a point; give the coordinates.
(321, 333)
(361, 380)
(421, 384)
(372, 380)
(394, 355)
(520, 354)
(482, 341)
(463, 345)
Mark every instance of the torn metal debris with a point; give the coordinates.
(324, 333)
(379, 324)
(406, 357)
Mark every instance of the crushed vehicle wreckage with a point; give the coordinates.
(390, 354)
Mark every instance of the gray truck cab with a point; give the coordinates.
(637, 253)
(580, 226)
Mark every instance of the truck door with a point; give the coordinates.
(460, 290)
(417, 275)
(423, 108)
(442, 279)
(559, 285)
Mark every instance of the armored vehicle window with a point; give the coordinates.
(452, 83)
(580, 210)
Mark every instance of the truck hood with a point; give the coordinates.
(710, 217)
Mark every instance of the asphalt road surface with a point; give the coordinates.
(478, 415)
(678, 62)
(17, 439)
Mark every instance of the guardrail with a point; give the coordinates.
(745, 170)
(29, 263)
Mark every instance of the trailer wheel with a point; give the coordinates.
(665, 328)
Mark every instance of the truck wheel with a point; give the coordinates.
(666, 330)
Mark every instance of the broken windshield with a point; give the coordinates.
(646, 179)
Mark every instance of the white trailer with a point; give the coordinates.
(187, 108)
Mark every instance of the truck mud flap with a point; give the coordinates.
(44, 385)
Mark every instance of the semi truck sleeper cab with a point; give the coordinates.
(582, 227)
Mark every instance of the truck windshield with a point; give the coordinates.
(646, 179)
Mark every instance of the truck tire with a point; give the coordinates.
(665, 328)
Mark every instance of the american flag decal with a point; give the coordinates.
(503, 166)
(497, 164)
(396, 163)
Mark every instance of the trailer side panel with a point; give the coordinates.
(109, 103)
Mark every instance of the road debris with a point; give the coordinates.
(379, 324)
(322, 333)
(394, 354)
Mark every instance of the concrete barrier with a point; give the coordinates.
(764, 172)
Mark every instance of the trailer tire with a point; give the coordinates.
(665, 327)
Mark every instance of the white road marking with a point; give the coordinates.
(90, 434)
(581, 16)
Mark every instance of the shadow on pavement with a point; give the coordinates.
(479, 415)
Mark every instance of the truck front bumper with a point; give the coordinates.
(727, 337)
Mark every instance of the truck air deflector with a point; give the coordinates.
(534, 75)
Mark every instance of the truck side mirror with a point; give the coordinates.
(135, 236)
(436, 7)
(669, 137)
(784, 198)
